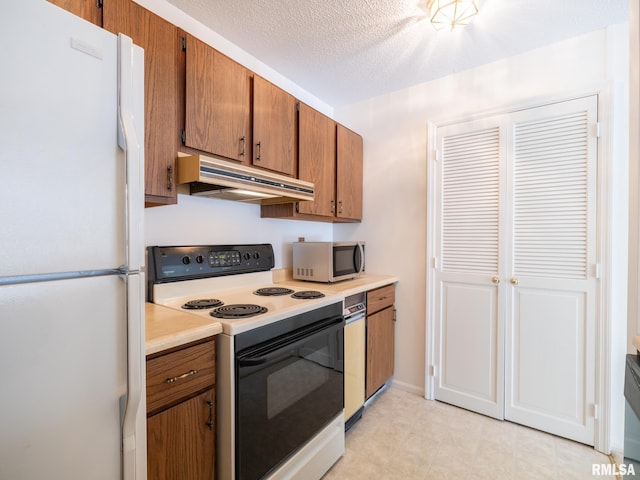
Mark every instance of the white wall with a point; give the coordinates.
(207, 221)
(394, 128)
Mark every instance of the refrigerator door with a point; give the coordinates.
(134, 422)
(63, 365)
(63, 202)
(131, 141)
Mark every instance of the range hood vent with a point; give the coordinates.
(210, 177)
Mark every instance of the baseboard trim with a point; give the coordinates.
(407, 387)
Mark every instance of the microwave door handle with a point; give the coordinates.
(359, 268)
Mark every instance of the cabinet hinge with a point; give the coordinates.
(184, 43)
(596, 411)
(596, 270)
(432, 370)
(597, 129)
(434, 262)
(436, 155)
(99, 3)
(183, 137)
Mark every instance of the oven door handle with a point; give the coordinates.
(279, 349)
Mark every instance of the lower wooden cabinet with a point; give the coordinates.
(380, 349)
(380, 338)
(181, 428)
(181, 440)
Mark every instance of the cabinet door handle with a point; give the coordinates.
(170, 178)
(210, 423)
(340, 206)
(258, 149)
(243, 140)
(180, 377)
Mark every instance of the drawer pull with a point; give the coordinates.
(180, 377)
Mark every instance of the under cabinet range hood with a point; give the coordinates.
(210, 177)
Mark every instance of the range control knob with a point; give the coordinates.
(186, 260)
(247, 256)
(199, 259)
(256, 255)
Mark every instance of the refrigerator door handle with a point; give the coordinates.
(134, 422)
(131, 140)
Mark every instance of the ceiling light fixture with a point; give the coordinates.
(451, 13)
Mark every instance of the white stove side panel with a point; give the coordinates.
(225, 407)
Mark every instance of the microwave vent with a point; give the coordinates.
(304, 272)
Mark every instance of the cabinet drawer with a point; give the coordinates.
(177, 375)
(380, 298)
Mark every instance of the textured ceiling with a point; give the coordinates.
(344, 51)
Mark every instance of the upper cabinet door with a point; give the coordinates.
(217, 103)
(160, 42)
(349, 174)
(87, 9)
(274, 128)
(317, 160)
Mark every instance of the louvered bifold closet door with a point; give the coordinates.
(470, 208)
(551, 320)
(469, 350)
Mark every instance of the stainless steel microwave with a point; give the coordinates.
(327, 261)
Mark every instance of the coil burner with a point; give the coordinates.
(241, 310)
(202, 303)
(308, 294)
(273, 291)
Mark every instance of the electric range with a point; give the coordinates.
(212, 281)
(279, 358)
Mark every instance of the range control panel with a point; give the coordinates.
(170, 264)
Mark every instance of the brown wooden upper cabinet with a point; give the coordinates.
(217, 103)
(274, 128)
(330, 156)
(160, 42)
(316, 160)
(87, 9)
(349, 175)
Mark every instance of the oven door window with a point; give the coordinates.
(285, 395)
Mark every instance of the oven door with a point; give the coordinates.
(287, 390)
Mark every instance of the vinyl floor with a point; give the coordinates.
(403, 436)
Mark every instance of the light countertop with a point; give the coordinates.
(363, 283)
(167, 328)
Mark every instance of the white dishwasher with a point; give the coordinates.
(354, 357)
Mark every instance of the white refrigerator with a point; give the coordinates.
(71, 249)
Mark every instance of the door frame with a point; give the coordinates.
(607, 95)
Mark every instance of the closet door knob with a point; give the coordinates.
(514, 281)
(496, 280)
